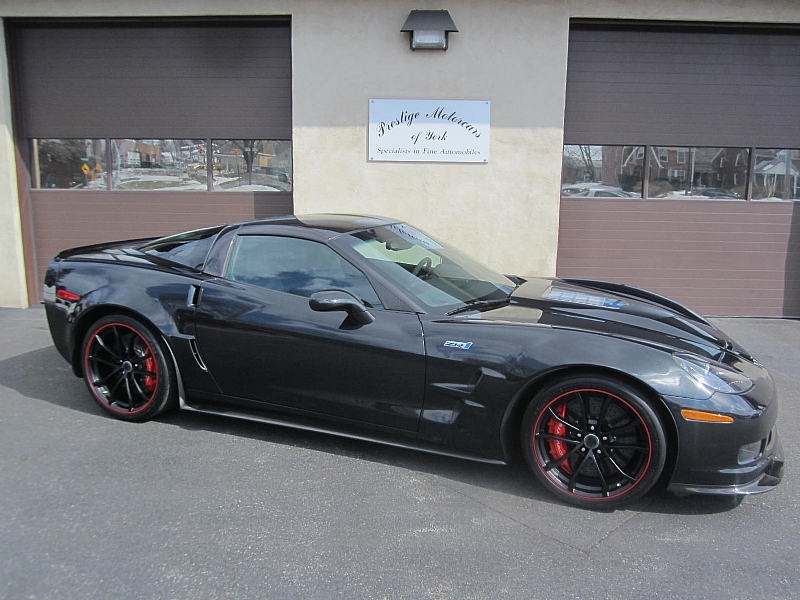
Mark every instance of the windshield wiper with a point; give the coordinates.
(479, 305)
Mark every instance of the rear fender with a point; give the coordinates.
(163, 309)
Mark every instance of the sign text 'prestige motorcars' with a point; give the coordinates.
(429, 130)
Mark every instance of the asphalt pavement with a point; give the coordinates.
(192, 507)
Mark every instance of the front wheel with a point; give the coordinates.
(594, 442)
(126, 369)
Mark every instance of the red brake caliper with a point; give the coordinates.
(150, 365)
(557, 447)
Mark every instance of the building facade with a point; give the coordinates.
(651, 143)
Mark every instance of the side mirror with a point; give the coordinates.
(329, 300)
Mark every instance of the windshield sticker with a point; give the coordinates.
(459, 345)
(560, 295)
(415, 237)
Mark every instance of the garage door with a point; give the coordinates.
(145, 127)
(681, 166)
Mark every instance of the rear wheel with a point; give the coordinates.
(126, 369)
(594, 442)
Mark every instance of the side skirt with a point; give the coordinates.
(302, 424)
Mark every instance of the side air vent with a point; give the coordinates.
(196, 354)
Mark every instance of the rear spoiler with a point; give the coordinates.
(629, 290)
(102, 246)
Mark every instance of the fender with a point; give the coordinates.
(522, 358)
(166, 302)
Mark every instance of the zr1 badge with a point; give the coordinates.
(460, 345)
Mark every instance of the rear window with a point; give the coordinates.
(189, 249)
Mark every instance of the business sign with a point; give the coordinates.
(429, 130)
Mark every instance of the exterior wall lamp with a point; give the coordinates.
(429, 29)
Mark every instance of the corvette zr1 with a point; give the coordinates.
(369, 328)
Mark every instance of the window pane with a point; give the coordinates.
(776, 175)
(178, 165)
(602, 171)
(699, 173)
(189, 249)
(296, 266)
(66, 164)
(252, 166)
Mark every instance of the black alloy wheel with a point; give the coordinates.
(594, 442)
(126, 370)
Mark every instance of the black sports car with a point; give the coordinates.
(369, 328)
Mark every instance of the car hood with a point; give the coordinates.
(616, 310)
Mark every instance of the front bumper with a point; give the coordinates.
(708, 459)
(769, 475)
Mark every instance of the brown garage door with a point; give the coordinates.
(660, 88)
(197, 104)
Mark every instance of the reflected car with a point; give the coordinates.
(367, 327)
(718, 193)
(599, 193)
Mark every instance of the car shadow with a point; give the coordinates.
(44, 375)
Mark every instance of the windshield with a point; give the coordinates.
(438, 275)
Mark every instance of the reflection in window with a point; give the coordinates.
(700, 173)
(602, 171)
(178, 165)
(68, 164)
(298, 267)
(252, 165)
(188, 249)
(776, 175)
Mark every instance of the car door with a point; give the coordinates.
(261, 341)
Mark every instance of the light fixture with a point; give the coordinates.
(429, 29)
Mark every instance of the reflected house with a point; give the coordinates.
(777, 174)
(670, 168)
(614, 167)
(167, 153)
(139, 153)
(624, 167)
(728, 170)
(693, 169)
(673, 170)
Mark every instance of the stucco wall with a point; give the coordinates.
(512, 52)
(12, 269)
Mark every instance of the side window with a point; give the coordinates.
(189, 249)
(295, 266)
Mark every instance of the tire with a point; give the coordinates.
(593, 442)
(126, 369)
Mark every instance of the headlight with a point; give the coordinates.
(713, 375)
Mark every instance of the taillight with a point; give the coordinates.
(68, 296)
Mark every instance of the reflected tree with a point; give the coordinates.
(586, 156)
(250, 149)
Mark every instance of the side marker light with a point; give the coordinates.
(707, 417)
